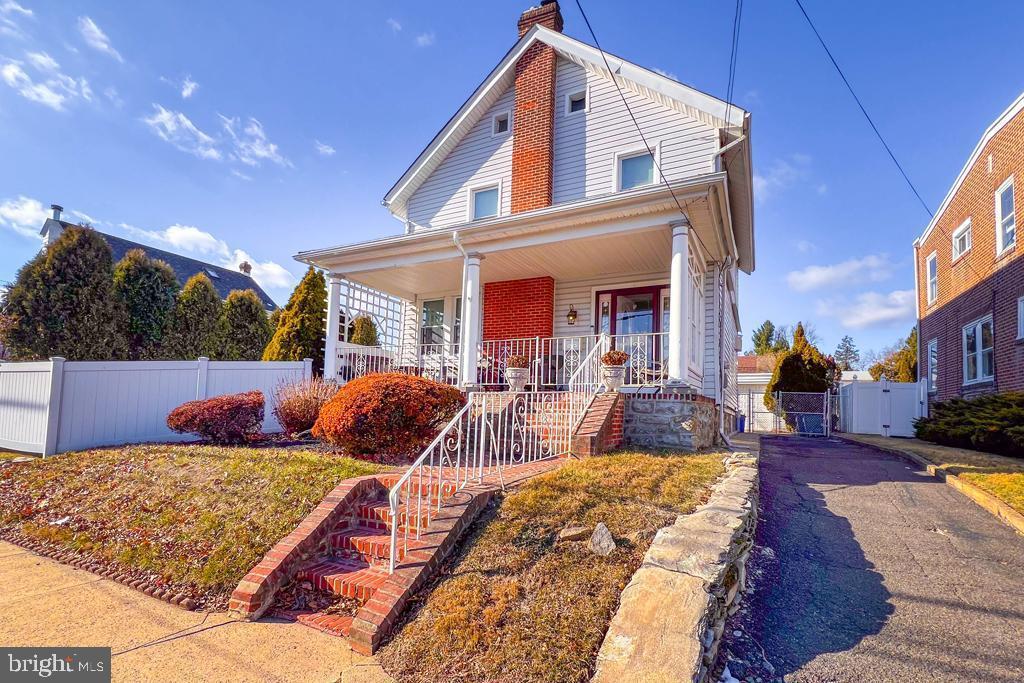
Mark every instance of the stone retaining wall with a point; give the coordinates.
(670, 422)
(671, 616)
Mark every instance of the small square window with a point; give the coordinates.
(485, 203)
(636, 170)
(500, 123)
(576, 102)
(962, 239)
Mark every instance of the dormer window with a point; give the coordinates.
(484, 202)
(576, 102)
(501, 123)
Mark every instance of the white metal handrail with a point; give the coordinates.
(588, 374)
(492, 432)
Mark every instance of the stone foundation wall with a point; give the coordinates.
(689, 422)
(671, 615)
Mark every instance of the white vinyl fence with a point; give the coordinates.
(56, 406)
(884, 407)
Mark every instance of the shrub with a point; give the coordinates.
(615, 357)
(992, 423)
(801, 369)
(364, 331)
(145, 290)
(517, 362)
(297, 404)
(243, 329)
(193, 326)
(224, 419)
(388, 417)
(299, 327)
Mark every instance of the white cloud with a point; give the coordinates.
(251, 146)
(113, 96)
(23, 215)
(177, 129)
(83, 217)
(805, 246)
(55, 91)
(783, 174)
(95, 38)
(188, 87)
(324, 149)
(241, 176)
(186, 238)
(426, 39)
(871, 309)
(267, 273)
(394, 25)
(872, 268)
(42, 61)
(667, 74)
(10, 11)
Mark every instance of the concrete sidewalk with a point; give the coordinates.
(43, 602)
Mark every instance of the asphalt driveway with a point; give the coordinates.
(868, 569)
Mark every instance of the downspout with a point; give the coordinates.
(458, 244)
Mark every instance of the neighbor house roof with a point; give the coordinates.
(224, 280)
(752, 363)
(661, 89)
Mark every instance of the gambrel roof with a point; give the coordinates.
(650, 84)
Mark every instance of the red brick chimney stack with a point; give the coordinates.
(534, 118)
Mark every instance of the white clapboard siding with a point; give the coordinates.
(580, 293)
(586, 143)
(480, 158)
(58, 406)
(710, 333)
(24, 390)
(730, 394)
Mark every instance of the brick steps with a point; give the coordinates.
(348, 578)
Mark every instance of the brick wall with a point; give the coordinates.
(601, 429)
(978, 283)
(519, 308)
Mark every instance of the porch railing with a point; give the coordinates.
(491, 433)
(556, 363)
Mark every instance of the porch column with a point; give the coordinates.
(679, 313)
(333, 326)
(472, 312)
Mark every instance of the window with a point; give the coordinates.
(933, 277)
(500, 123)
(484, 203)
(696, 310)
(576, 102)
(1020, 318)
(212, 274)
(432, 322)
(978, 359)
(457, 325)
(1006, 221)
(636, 170)
(962, 239)
(933, 365)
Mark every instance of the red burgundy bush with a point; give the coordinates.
(224, 419)
(389, 417)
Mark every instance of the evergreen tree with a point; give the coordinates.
(900, 364)
(243, 329)
(144, 291)
(299, 332)
(364, 331)
(193, 327)
(61, 303)
(847, 355)
(764, 338)
(801, 369)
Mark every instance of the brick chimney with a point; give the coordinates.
(534, 119)
(245, 268)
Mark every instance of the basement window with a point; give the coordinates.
(500, 123)
(576, 102)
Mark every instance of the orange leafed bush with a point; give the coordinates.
(297, 404)
(224, 419)
(388, 417)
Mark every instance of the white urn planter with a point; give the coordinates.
(613, 376)
(517, 378)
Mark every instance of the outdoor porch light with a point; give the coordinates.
(570, 317)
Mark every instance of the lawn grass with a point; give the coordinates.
(196, 517)
(999, 475)
(519, 606)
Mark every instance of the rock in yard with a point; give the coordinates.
(602, 542)
(574, 533)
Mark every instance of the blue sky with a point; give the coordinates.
(227, 131)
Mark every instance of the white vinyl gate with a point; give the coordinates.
(885, 408)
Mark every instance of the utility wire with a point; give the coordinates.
(733, 58)
(629, 110)
(862, 109)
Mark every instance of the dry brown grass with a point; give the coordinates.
(517, 606)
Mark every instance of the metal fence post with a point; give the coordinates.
(53, 406)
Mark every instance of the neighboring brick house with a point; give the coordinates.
(537, 223)
(970, 272)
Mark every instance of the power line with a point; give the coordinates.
(862, 109)
(733, 58)
(629, 110)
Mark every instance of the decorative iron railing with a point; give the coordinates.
(491, 433)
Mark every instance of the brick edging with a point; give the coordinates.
(979, 496)
(255, 592)
(86, 563)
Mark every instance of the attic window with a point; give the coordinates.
(500, 123)
(484, 202)
(212, 274)
(576, 102)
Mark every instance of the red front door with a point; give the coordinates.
(635, 310)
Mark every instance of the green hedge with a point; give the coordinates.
(993, 423)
